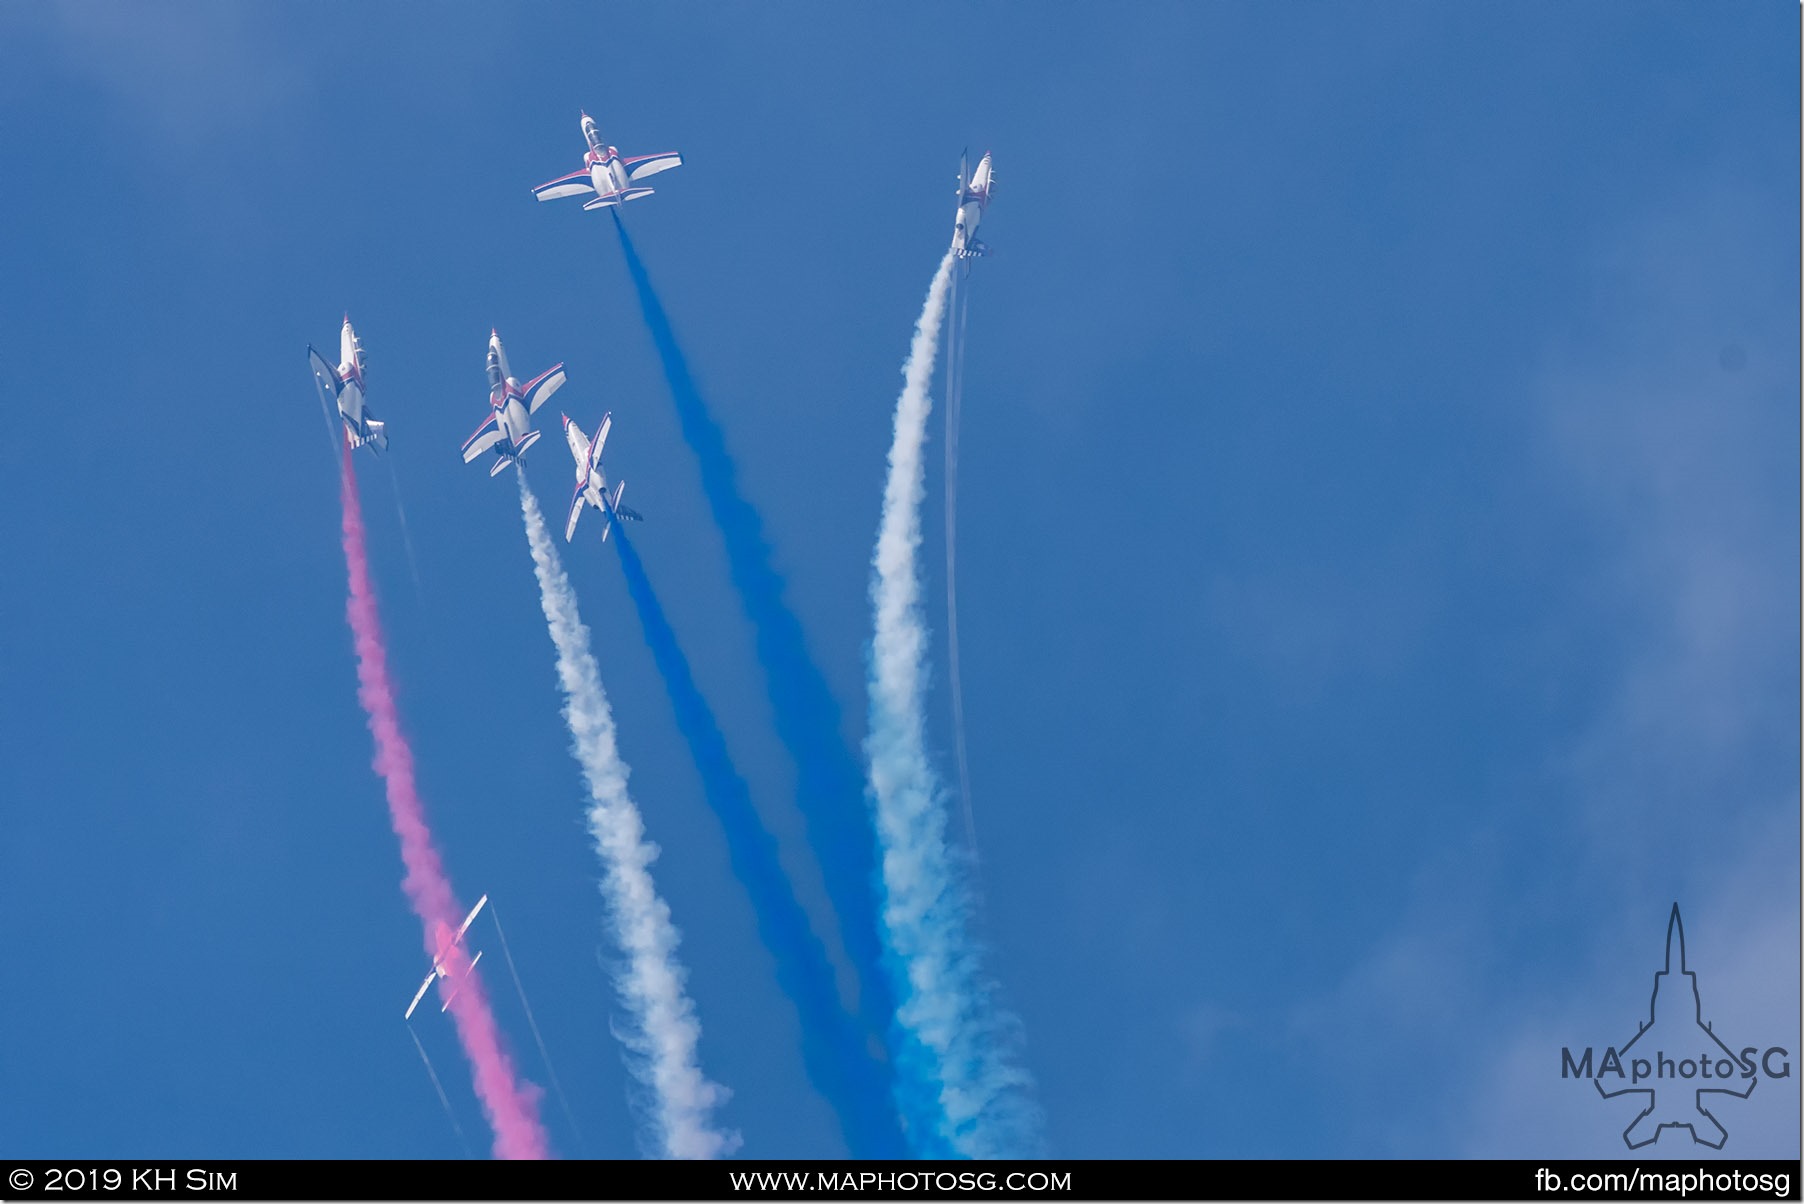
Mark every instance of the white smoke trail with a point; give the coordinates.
(663, 1029)
(413, 565)
(440, 1088)
(955, 390)
(533, 1023)
(970, 1046)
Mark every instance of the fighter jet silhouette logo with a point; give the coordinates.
(1675, 1006)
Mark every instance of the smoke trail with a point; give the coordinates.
(829, 791)
(510, 1104)
(533, 1024)
(833, 1048)
(413, 565)
(960, 1047)
(335, 431)
(440, 1089)
(665, 1031)
(955, 392)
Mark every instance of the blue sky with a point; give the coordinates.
(1378, 550)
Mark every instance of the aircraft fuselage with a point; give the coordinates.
(973, 199)
(606, 170)
(341, 387)
(506, 397)
(350, 369)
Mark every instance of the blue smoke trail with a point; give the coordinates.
(830, 782)
(838, 1063)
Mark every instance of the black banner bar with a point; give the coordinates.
(1050, 1180)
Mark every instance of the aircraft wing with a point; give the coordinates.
(486, 436)
(601, 437)
(577, 502)
(640, 166)
(325, 376)
(574, 184)
(421, 993)
(471, 918)
(539, 389)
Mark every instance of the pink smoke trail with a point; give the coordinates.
(510, 1103)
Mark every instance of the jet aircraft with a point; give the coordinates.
(345, 385)
(973, 199)
(511, 406)
(441, 963)
(606, 174)
(591, 481)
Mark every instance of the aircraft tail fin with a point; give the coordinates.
(515, 454)
(621, 511)
(446, 1006)
(618, 198)
(617, 511)
(377, 437)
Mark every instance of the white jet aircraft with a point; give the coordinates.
(345, 384)
(973, 199)
(511, 407)
(606, 174)
(447, 941)
(592, 482)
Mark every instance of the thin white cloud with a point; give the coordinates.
(1670, 431)
(183, 73)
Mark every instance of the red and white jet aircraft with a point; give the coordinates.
(511, 407)
(448, 941)
(973, 199)
(343, 385)
(606, 174)
(591, 481)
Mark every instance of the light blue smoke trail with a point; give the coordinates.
(833, 1046)
(962, 1050)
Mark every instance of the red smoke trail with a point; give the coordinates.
(510, 1103)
